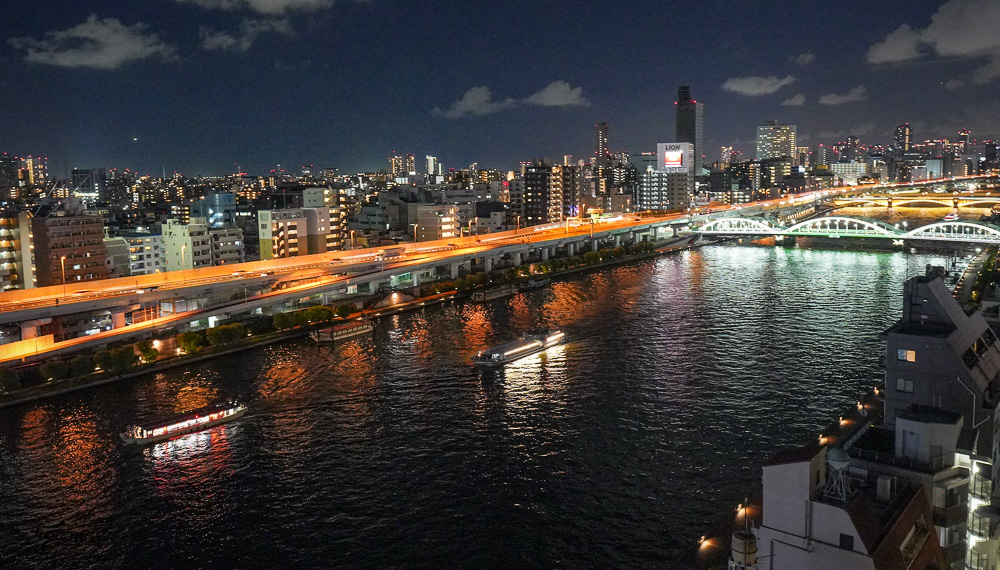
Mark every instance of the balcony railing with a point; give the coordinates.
(951, 516)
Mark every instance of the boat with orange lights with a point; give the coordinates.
(181, 424)
(341, 332)
(523, 347)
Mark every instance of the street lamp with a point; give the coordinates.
(62, 262)
(518, 226)
(352, 239)
(415, 232)
(183, 264)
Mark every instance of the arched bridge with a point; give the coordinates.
(852, 226)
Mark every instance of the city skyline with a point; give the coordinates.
(206, 87)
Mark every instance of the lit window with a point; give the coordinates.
(906, 355)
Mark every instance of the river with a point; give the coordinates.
(617, 449)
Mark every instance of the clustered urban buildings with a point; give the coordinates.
(98, 223)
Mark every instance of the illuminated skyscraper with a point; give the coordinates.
(690, 117)
(396, 165)
(775, 141)
(725, 154)
(964, 139)
(903, 138)
(602, 140)
(411, 164)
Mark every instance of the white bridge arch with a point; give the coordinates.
(842, 225)
(949, 231)
(852, 226)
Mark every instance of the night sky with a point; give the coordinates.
(198, 86)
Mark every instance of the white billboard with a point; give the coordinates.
(674, 157)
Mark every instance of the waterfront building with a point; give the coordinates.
(932, 431)
(543, 194)
(689, 126)
(68, 245)
(659, 191)
(186, 245)
(849, 172)
(17, 260)
(814, 518)
(436, 222)
(145, 253)
(296, 231)
(775, 140)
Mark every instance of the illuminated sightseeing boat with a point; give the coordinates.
(340, 332)
(180, 424)
(951, 217)
(525, 346)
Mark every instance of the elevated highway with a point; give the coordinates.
(58, 320)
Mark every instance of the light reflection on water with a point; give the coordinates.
(618, 448)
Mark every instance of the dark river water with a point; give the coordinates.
(617, 449)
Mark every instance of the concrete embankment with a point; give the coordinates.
(56, 388)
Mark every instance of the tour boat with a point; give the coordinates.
(525, 346)
(951, 217)
(340, 332)
(535, 284)
(180, 424)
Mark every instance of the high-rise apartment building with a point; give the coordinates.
(411, 164)
(543, 194)
(433, 166)
(775, 140)
(689, 127)
(70, 246)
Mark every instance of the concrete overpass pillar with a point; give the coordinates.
(570, 249)
(415, 276)
(117, 318)
(488, 263)
(516, 256)
(454, 270)
(618, 240)
(545, 254)
(593, 245)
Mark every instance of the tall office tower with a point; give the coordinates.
(775, 141)
(432, 165)
(411, 164)
(964, 139)
(903, 137)
(690, 117)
